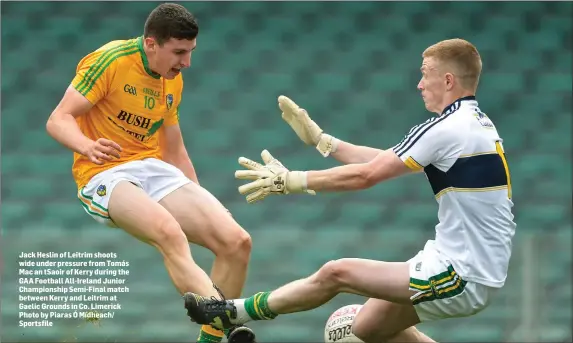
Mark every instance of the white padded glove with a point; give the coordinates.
(305, 128)
(272, 178)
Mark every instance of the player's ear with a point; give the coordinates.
(449, 80)
(151, 43)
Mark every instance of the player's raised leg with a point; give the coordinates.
(206, 222)
(138, 214)
(385, 321)
(376, 279)
(132, 210)
(440, 293)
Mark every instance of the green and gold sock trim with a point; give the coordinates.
(441, 286)
(258, 308)
(207, 338)
(209, 334)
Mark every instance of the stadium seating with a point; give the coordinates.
(355, 67)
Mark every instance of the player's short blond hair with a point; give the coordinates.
(460, 55)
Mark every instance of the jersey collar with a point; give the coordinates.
(454, 106)
(144, 59)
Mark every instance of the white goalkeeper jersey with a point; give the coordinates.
(462, 155)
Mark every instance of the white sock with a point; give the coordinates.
(242, 315)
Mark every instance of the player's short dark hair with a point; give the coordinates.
(168, 21)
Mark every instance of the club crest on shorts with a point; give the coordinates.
(169, 101)
(101, 190)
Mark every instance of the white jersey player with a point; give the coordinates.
(461, 154)
(457, 273)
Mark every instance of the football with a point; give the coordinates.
(339, 325)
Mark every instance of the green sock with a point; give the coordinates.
(209, 334)
(257, 307)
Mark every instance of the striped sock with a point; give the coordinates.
(209, 334)
(257, 307)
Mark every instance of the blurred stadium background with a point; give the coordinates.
(355, 67)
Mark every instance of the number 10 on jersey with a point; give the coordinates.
(149, 102)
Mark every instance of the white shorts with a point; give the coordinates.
(441, 292)
(155, 177)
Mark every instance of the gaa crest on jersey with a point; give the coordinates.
(101, 190)
(169, 101)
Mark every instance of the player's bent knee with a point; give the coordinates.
(237, 245)
(367, 333)
(244, 242)
(364, 328)
(334, 274)
(362, 333)
(168, 235)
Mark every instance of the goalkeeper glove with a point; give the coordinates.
(306, 129)
(272, 178)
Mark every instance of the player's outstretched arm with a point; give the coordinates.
(311, 134)
(274, 178)
(349, 153)
(386, 165)
(62, 126)
(174, 151)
